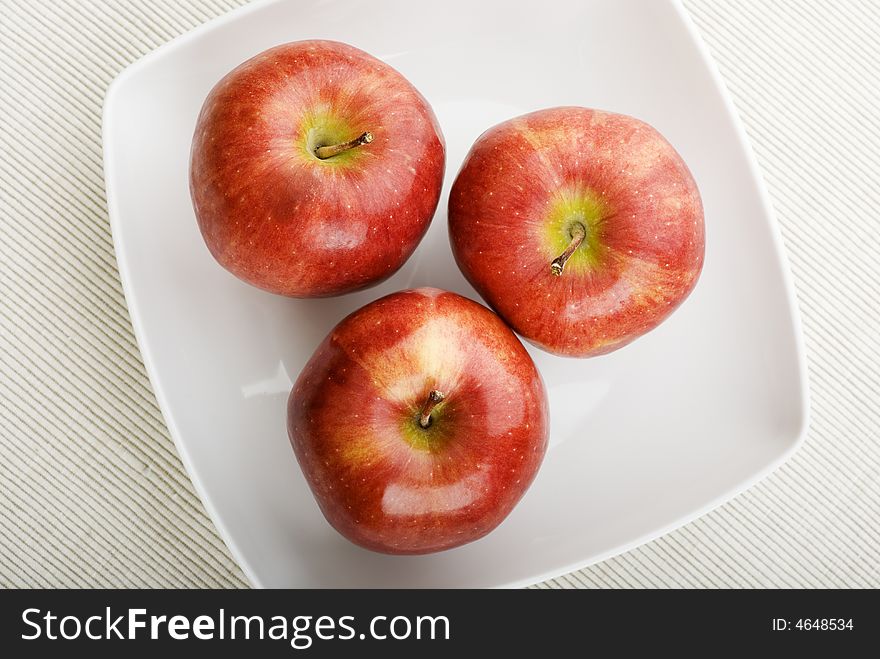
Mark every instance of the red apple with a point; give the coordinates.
(583, 229)
(315, 169)
(419, 422)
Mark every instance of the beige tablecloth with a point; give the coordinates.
(92, 492)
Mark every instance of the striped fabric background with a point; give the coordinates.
(92, 492)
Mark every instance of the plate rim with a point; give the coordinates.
(134, 309)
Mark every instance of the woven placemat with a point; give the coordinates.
(92, 492)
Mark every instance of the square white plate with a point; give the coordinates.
(643, 440)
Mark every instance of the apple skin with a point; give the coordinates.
(380, 479)
(280, 218)
(511, 209)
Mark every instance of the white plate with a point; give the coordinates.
(643, 440)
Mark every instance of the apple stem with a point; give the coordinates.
(578, 232)
(324, 152)
(434, 398)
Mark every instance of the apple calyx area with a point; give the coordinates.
(330, 150)
(434, 398)
(577, 232)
